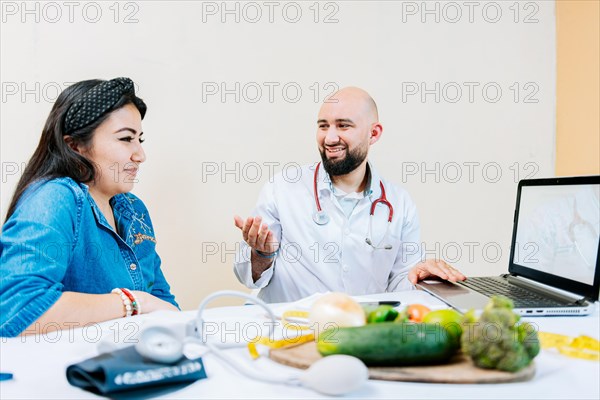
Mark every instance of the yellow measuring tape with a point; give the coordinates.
(286, 342)
(277, 344)
(582, 346)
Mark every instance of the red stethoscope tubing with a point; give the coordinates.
(383, 200)
(315, 188)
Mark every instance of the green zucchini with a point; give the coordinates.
(390, 343)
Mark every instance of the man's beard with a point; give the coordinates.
(344, 166)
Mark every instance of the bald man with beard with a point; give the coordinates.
(317, 234)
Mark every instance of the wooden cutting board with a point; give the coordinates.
(460, 369)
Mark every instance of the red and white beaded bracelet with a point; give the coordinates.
(135, 303)
(126, 301)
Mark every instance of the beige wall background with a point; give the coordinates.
(466, 94)
(578, 88)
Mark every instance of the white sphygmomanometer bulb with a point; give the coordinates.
(335, 375)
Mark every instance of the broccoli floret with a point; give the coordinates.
(514, 360)
(496, 340)
(501, 316)
(528, 336)
(499, 302)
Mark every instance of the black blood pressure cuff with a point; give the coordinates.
(127, 373)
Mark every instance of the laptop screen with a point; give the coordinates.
(557, 229)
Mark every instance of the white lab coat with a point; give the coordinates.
(332, 257)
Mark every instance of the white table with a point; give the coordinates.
(39, 362)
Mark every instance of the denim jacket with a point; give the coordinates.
(58, 240)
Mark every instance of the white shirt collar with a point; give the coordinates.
(324, 183)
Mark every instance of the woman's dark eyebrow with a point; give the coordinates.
(127, 129)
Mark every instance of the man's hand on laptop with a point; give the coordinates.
(434, 268)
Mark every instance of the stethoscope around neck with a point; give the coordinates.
(321, 217)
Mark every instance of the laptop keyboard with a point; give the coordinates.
(495, 285)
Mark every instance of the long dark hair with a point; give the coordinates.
(53, 156)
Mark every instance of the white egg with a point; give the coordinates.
(335, 375)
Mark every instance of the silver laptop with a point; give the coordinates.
(554, 266)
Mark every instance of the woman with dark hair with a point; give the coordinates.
(77, 247)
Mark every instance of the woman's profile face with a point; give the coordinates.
(116, 151)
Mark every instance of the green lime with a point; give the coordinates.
(448, 319)
(382, 313)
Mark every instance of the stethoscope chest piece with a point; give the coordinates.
(320, 217)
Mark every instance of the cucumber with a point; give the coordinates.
(390, 343)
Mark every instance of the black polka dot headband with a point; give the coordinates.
(98, 101)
